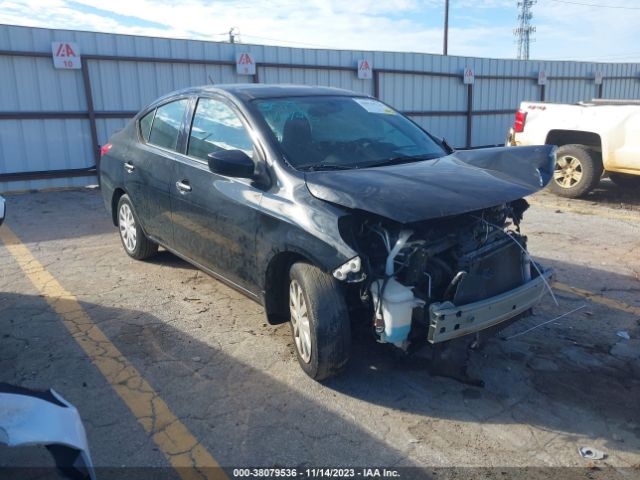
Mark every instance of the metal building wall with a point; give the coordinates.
(428, 87)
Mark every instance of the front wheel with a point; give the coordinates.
(319, 321)
(577, 171)
(134, 241)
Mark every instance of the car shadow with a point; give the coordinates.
(168, 259)
(606, 193)
(574, 375)
(559, 370)
(554, 379)
(243, 415)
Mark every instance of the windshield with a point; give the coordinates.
(326, 132)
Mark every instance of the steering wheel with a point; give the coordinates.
(363, 147)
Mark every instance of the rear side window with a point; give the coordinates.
(167, 123)
(217, 127)
(145, 125)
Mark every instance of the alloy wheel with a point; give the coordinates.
(300, 321)
(127, 224)
(568, 171)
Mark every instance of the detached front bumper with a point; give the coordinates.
(448, 321)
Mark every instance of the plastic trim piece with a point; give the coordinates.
(30, 417)
(448, 321)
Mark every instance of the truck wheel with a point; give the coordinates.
(134, 241)
(623, 180)
(577, 171)
(319, 321)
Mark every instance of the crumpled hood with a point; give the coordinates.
(461, 182)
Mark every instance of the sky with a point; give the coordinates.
(590, 30)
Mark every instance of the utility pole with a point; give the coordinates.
(524, 32)
(445, 48)
(232, 36)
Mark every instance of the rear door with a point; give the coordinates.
(213, 215)
(149, 166)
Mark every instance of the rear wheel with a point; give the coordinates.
(134, 241)
(623, 180)
(577, 171)
(319, 321)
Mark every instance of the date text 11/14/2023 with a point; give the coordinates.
(315, 473)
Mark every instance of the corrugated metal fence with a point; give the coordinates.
(53, 121)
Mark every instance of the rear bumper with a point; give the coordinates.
(510, 141)
(448, 321)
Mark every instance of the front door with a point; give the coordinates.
(214, 218)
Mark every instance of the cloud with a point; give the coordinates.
(477, 28)
(591, 33)
(58, 14)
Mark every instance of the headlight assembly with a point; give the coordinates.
(350, 271)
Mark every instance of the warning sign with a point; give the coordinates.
(364, 69)
(599, 77)
(542, 77)
(65, 55)
(245, 65)
(468, 77)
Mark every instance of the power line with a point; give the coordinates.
(596, 5)
(524, 32)
(233, 33)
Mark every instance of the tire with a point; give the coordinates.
(328, 343)
(577, 171)
(133, 239)
(626, 181)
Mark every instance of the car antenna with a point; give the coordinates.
(211, 80)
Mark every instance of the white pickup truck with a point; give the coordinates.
(593, 138)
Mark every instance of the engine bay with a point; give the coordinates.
(407, 269)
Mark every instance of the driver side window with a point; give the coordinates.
(217, 127)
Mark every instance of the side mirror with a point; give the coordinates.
(447, 146)
(231, 163)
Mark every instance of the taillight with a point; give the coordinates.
(105, 149)
(518, 125)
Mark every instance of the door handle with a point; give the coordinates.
(183, 186)
(128, 166)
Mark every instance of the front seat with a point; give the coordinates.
(297, 142)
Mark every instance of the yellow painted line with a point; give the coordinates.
(596, 298)
(585, 211)
(190, 459)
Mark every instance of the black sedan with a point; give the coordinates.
(319, 202)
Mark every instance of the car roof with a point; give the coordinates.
(250, 91)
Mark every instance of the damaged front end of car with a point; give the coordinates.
(440, 279)
(450, 275)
